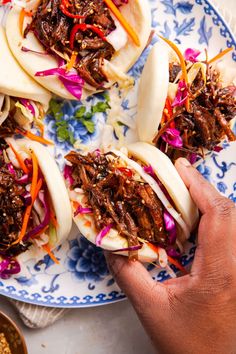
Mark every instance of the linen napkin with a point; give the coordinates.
(38, 316)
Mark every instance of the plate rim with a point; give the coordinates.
(113, 296)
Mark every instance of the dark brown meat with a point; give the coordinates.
(174, 70)
(117, 198)
(12, 209)
(208, 120)
(53, 30)
(8, 127)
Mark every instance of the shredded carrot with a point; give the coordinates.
(34, 182)
(182, 64)
(34, 137)
(71, 63)
(131, 32)
(177, 264)
(170, 259)
(88, 223)
(168, 113)
(220, 55)
(37, 189)
(41, 129)
(19, 159)
(50, 253)
(21, 21)
(153, 247)
(22, 16)
(33, 190)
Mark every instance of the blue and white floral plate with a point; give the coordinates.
(82, 278)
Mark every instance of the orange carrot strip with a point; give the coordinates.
(220, 55)
(177, 264)
(41, 129)
(71, 63)
(19, 159)
(131, 32)
(37, 189)
(21, 21)
(34, 182)
(170, 259)
(50, 253)
(182, 64)
(34, 137)
(33, 189)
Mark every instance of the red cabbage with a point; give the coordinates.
(11, 169)
(70, 79)
(9, 267)
(172, 137)
(81, 210)
(26, 50)
(68, 174)
(46, 220)
(27, 198)
(23, 180)
(191, 54)
(217, 148)
(172, 252)
(170, 227)
(74, 88)
(149, 170)
(102, 234)
(26, 103)
(131, 248)
(181, 95)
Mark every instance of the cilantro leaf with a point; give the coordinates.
(89, 125)
(80, 112)
(55, 109)
(100, 107)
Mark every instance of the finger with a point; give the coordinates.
(135, 281)
(203, 193)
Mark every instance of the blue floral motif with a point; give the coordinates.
(167, 31)
(224, 166)
(205, 171)
(184, 28)
(205, 34)
(25, 281)
(185, 7)
(221, 186)
(86, 262)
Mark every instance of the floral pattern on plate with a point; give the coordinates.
(82, 279)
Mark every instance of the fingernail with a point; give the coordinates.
(184, 162)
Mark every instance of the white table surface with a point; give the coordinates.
(102, 330)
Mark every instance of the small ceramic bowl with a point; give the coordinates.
(13, 335)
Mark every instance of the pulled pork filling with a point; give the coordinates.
(212, 107)
(54, 29)
(8, 127)
(117, 197)
(12, 207)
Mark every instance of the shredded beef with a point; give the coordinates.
(116, 197)
(12, 210)
(53, 28)
(208, 120)
(8, 127)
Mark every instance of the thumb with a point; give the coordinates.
(133, 278)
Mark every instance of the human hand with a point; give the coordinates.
(195, 313)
